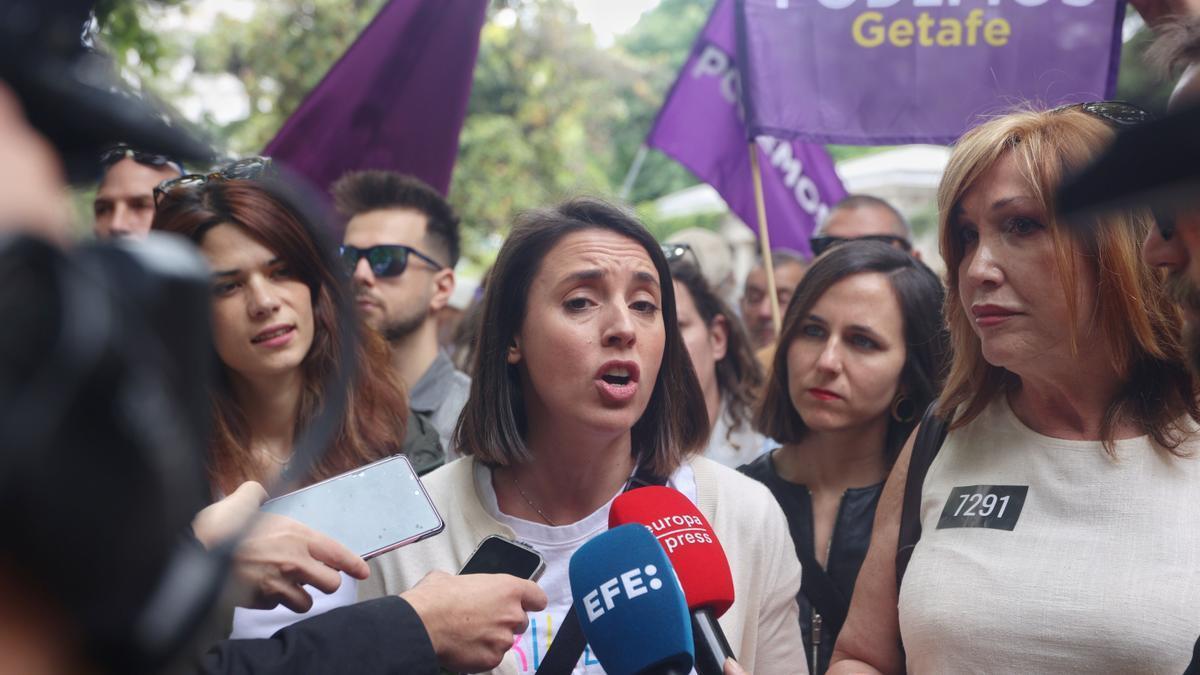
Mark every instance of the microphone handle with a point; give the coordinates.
(711, 646)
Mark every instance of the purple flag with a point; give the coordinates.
(395, 100)
(700, 125)
(875, 72)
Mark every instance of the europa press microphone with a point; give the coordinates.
(698, 559)
(630, 605)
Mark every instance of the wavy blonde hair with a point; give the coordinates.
(1142, 326)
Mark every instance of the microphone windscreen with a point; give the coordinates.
(630, 605)
(688, 540)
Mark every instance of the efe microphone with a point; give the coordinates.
(630, 605)
(698, 559)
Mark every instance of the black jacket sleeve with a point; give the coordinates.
(384, 635)
(1194, 667)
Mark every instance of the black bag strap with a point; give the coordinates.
(568, 643)
(817, 585)
(930, 436)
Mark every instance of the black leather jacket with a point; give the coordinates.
(847, 549)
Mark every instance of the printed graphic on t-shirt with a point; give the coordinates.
(530, 649)
(995, 507)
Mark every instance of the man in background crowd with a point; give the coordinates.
(756, 303)
(124, 204)
(401, 244)
(863, 217)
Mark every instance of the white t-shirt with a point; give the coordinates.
(557, 545)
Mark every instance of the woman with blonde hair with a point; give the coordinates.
(1059, 530)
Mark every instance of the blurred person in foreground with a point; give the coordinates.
(861, 354)
(1169, 151)
(581, 385)
(730, 377)
(1062, 500)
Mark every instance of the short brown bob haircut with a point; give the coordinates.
(1142, 325)
(919, 295)
(493, 423)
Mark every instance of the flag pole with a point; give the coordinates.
(764, 239)
(632, 174)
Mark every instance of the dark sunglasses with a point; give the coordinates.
(122, 151)
(386, 260)
(1117, 113)
(243, 169)
(822, 244)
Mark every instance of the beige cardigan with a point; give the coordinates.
(762, 625)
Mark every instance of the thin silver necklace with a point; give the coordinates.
(530, 502)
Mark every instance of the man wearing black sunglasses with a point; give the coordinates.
(863, 217)
(124, 204)
(400, 247)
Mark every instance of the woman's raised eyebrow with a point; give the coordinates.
(596, 274)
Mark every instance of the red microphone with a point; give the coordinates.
(698, 559)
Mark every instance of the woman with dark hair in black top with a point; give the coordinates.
(858, 361)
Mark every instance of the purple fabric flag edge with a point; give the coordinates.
(298, 119)
(789, 225)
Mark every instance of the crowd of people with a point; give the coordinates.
(993, 471)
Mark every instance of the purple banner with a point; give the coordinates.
(700, 126)
(396, 100)
(878, 72)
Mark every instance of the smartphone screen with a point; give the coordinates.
(371, 510)
(499, 555)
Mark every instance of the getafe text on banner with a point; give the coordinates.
(874, 72)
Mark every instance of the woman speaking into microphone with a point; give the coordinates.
(581, 380)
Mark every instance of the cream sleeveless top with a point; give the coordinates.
(1040, 555)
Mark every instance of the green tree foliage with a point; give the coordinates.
(660, 42)
(551, 113)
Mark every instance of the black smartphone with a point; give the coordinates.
(501, 555)
(371, 510)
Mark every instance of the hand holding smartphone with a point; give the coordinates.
(371, 510)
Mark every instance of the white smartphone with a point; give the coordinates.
(371, 510)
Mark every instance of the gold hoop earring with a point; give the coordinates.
(903, 409)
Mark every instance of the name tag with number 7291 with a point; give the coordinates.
(995, 507)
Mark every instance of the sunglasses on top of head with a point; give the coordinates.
(249, 168)
(385, 260)
(1118, 114)
(677, 252)
(120, 151)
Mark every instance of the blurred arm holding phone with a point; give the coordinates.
(470, 619)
